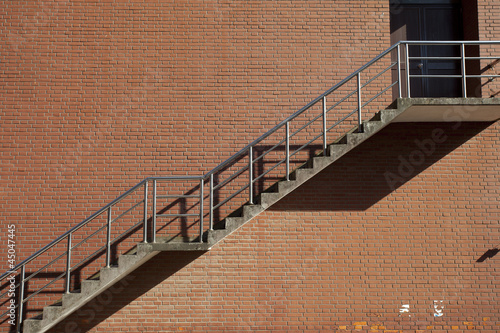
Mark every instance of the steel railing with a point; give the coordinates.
(392, 71)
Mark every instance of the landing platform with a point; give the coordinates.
(449, 110)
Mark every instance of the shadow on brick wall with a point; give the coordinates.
(378, 167)
(124, 292)
(381, 165)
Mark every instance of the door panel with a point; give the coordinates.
(432, 22)
(442, 23)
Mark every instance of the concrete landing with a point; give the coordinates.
(448, 110)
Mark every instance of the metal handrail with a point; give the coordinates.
(247, 151)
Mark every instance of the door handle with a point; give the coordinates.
(420, 66)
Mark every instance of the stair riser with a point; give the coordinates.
(90, 286)
(301, 175)
(125, 261)
(214, 236)
(387, 116)
(251, 211)
(233, 223)
(50, 313)
(31, 326)
(268, 199)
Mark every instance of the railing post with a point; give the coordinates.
(201, 209)
(324, 126)
(21, 298)
(145, 231)
(464, 77)
(68, 264)
(211, 204)
(360, 129)
(399, 70)
(287, 150)
(154, 212)
(250, 175)
(407, 60)
(108, 239)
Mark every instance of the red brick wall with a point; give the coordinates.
(97, 95)
(342, 253)
(489, 25)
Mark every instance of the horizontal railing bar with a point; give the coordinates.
(478, 76)
(176, 215)
(436, 75)
(176, 196)
(232, 196)
(272, 168)
(435, 58)
(41, 289)
(233, 176)
(261, 156)
(128, 210)
(481, 58)
(458, 42)
(102, 248)
(5, 293)
(187, 177)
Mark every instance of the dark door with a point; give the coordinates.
(420, 20)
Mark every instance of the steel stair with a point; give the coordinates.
(108, 276)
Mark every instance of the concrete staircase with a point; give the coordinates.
(127, 263)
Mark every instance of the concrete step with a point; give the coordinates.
(50, 313)
(269, 199)
(373, 126)
(250, 211)
(68, 300)
(32, 325)
(285, 187)
(337, 150)
(233, 223)
(127, 260)
(214, 236)
(90, 286)
(386, 116)
(302, 175)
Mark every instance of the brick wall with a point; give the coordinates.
(97, 95)
(342, 253)
(488, 13)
